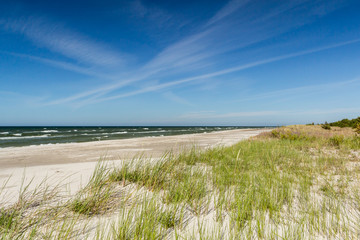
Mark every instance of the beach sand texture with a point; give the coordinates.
(69, 166)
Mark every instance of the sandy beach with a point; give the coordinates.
(63, 191)
(70, 165)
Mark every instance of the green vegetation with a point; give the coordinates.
(346, 123)
(96, 197)
(326, 126)
(296, 182)
(357, 130)
(8, 218)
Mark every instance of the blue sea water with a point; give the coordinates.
(25, 136)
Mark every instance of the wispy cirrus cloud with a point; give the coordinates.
(237, 25)
(58, 39)
(229, 8)
(63, 65)
(201, 51)
(231, 70)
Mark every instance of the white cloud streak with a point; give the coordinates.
(63, 65)
(231, 7)
(65, 42)
(224, 71)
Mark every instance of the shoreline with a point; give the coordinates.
(63, 153)
(72, 164)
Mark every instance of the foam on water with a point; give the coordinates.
(50, 131)
(25, 137)
(151, 131)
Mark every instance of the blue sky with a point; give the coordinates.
(237, 62)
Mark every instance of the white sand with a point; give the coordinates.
(70, 165)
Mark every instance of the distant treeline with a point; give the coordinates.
(346, 123)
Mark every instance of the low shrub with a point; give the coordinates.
(346, 123)
(326, 126)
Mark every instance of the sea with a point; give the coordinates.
(27, 136)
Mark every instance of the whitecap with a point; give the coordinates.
(4, 133)
(151, 131)
(106, 133)
(50, 131)
(12, 138)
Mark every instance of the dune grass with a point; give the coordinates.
(296, 182)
